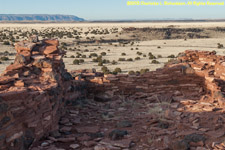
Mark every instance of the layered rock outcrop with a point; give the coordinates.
(33, 91)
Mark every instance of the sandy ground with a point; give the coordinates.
(168, 47)
(110, 25)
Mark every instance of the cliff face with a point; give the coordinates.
(37, 17)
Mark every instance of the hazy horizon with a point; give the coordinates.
(111, 10)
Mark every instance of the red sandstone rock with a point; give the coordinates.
(47, 69)
(24, 46)
(51, 42)
(221, 102)
(35, 53)
(14, 67)
(25, 53)
(50, 50)
(19, 83)
(6, 79)
(37, 57)
(4, 87)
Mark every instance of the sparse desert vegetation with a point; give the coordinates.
(131, 47)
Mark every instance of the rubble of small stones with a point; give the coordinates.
(178, 107)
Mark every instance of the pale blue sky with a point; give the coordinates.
(110, 9)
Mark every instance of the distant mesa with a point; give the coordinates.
(39, 17)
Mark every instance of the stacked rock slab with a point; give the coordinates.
(32, 93)
(168, 82)
(212, 68)
(194, 74)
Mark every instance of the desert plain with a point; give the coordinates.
(120, 45)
